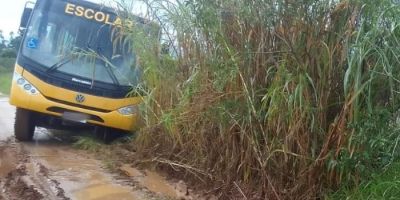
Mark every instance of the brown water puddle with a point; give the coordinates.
(152, 181)
(105, 192)
(130, 171)
(81, 177)
(54, 168)
(157, 184)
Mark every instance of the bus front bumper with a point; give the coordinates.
(20, 97)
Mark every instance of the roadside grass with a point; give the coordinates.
(88, 143)
(384, 185)
(113, 155)
(5, 80)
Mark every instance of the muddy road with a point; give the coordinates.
(6, 119)
(50, 168)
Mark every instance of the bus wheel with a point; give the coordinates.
(107, 135)
(24, 126)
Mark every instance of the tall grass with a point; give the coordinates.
(267, 99)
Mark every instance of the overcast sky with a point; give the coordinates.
(11, 11)
(10, 15)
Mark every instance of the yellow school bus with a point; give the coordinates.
(52, 88)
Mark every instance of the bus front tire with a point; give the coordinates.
(107, 135)
(24, 126)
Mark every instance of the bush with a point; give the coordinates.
(277, 100)
(373, 146)
(383, 185)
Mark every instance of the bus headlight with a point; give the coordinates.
(24, 84)
(128, 110)
(27, 87)
(20, 81)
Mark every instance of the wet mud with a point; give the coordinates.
(51, 169)
(23, 178)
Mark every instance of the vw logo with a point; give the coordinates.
(80, 98)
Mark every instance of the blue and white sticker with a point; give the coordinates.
(32, 43)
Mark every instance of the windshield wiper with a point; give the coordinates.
(111, 73)
(107, 66)
(59, 64)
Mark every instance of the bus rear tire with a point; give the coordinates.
(24, 125)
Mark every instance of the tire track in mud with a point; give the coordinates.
(30, 171)
(50, 168)
(24, 178)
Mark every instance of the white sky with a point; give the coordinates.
(10, 15)
(11, 11)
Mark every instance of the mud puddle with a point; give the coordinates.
(52, 170)
(154, 182)
(157, 184)
(80, 176)
(22, 178)
(83, 177)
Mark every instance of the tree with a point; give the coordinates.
(9, 49)
(14, 42)
(2, 41)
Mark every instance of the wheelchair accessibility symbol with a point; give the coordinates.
(32, 43)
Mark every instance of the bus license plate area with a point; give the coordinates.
(75, 117)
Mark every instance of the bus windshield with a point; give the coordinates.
(59, 29)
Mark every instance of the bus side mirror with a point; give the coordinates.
(25, 18)
(26, 15)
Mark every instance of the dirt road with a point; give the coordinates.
(50, 168)
(6, 118)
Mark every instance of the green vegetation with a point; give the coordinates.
(88, 143)
(8, 54)
(273, 99)
(385, 185)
